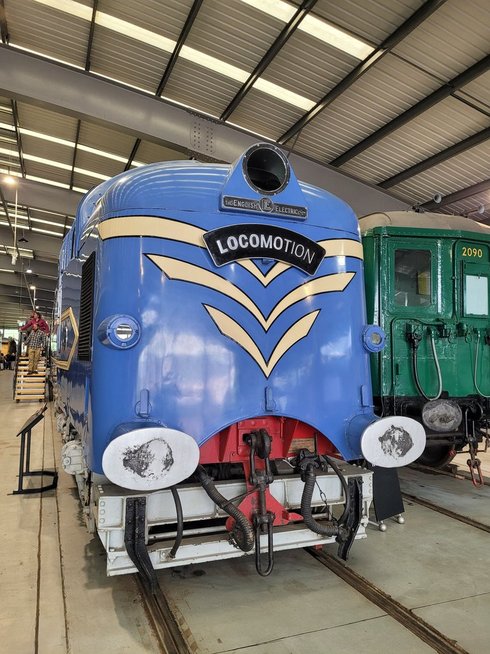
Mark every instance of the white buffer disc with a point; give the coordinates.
(151, 458)
(393, 442)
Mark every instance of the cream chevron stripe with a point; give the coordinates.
(230, 328)
(326, 284)
(188, 272)
(175, 230)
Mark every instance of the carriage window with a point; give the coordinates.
(475, 295)
(412, 278)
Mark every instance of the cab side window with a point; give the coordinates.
(475, 295)
(413, 279)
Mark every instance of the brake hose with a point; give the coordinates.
(438, 369)
(476, 368)
(331, 528)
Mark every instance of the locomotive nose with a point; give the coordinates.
(149, 458)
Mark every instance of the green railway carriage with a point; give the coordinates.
(428, 286)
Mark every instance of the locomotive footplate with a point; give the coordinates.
(205, 537)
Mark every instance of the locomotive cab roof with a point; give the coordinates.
(401, 220)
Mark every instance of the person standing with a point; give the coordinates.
(11, 353)
(36, 319)
(35, 341)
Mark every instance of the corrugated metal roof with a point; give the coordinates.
(47, 150)
(202, 89)
(451, 40)
(459, 172)
(233, 32)
(417, 140)
(308, 66)
(46, 30)
(151, 152)
(98, 164)
(372, 20)
(47, 172)
(478, 91)
(46, 121)
(264, 115)
(105, 139)
(129, 61)
(384, 92)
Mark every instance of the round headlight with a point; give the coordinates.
(373, 338)
(121, 332)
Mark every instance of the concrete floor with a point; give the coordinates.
(56, 598)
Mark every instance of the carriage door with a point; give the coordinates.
(473, 263)
(472, 267)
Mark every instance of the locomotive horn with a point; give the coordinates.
(266, 168)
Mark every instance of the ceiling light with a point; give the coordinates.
(46, 231)
(33, 288)
(70, 144)
(9, 179)
(314, 26)
(29, 271)
(168, 45)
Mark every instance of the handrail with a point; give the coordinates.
(17, 359)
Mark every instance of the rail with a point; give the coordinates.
(168, 632)
(423, 630)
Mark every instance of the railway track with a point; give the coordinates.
(423, 630)
(448, 512)
(173, 637)
(446, 473)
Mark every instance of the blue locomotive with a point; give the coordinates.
(213, 365)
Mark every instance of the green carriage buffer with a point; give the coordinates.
(428, 282)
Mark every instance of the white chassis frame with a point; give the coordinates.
(107, 512)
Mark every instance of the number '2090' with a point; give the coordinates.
(472, 252)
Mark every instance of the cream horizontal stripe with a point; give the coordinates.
(342, 247)
(174, 230)
(152, 226)
(230, 328)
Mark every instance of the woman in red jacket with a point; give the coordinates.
(36, 318)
